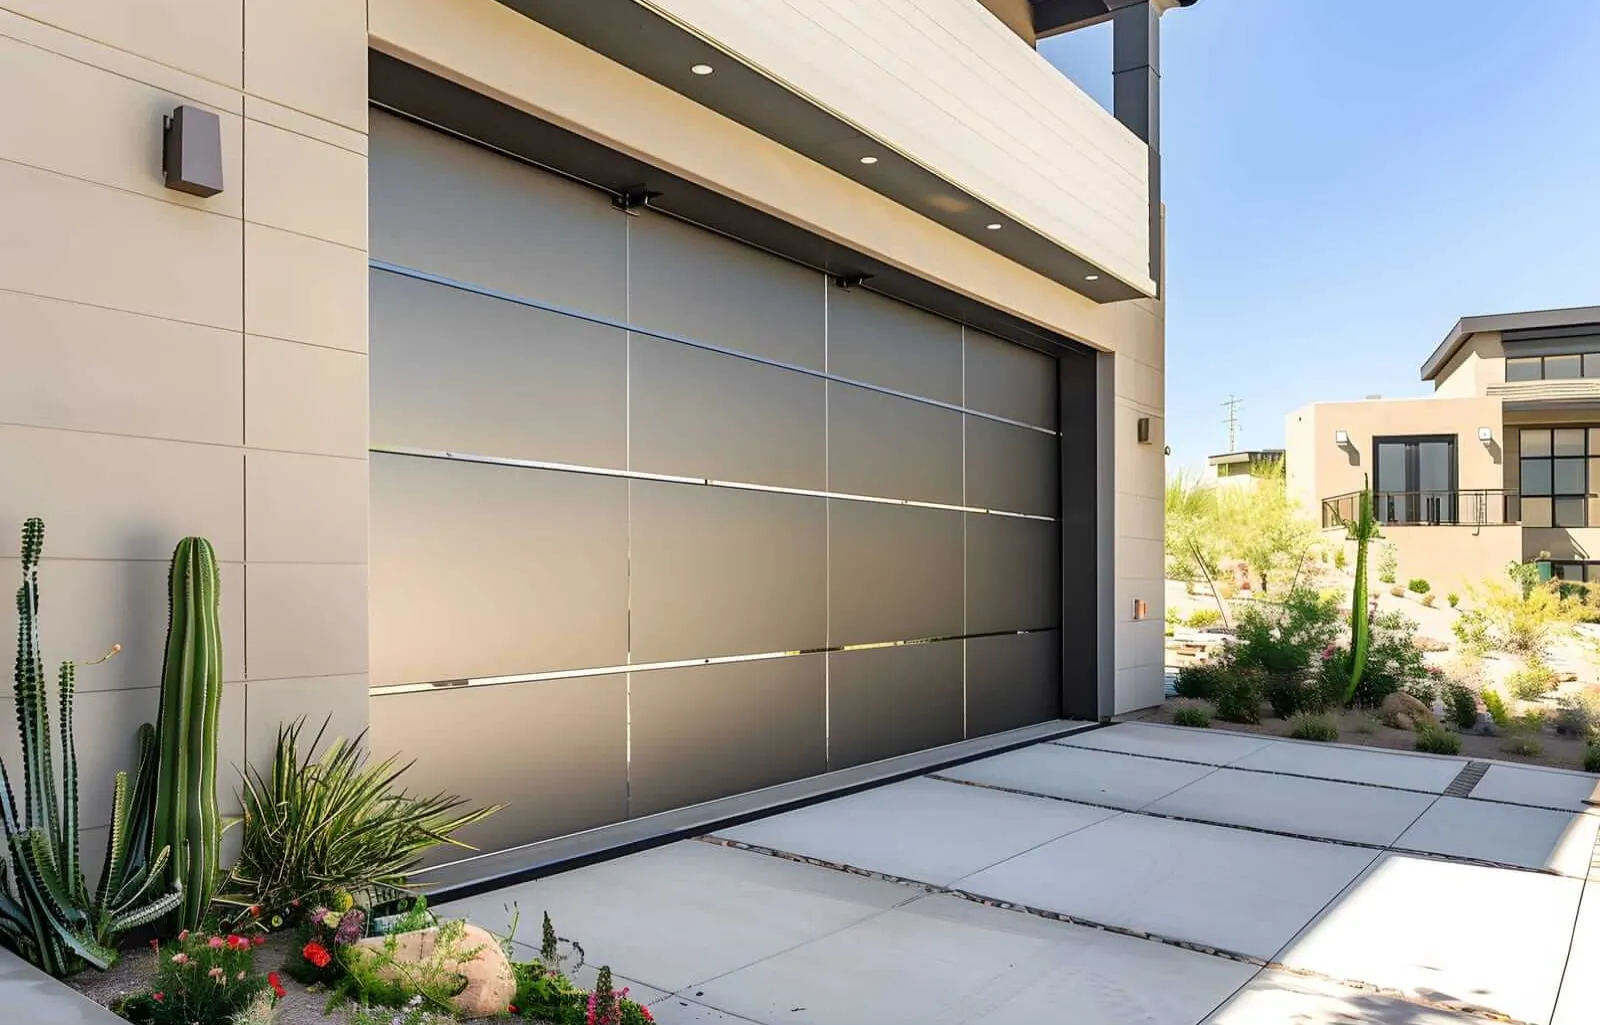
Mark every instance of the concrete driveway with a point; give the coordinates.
(1132, 874)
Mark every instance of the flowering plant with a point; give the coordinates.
(201, 977)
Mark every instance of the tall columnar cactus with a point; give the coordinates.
(1363, 530)
(47, 913)
(191, 689)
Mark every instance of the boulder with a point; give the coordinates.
(476, 957)
(1401, 711)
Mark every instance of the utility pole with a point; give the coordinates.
(1232, 406)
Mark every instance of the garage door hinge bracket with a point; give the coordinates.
(849, 281)
(630, 199)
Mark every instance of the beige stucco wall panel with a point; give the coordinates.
(310, 55)
(302, 508)
(340, 700)
(1140, 517)
(79, 120)
(70, 239)
(289, 119)
(160, 491)
(202, 37)
(305, 620)
(92, 369)
(90, 604)
(304, 289)
(305, 398)
(304, 185)
(1449, 558)
(487, 47)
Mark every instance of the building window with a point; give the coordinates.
(1555, 475)
(1415, 479)
(1553, 368)
(1576, 572)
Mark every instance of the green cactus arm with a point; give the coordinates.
(71, 853)
(116, 863)
(158, 908)
(142, 882)
(33, 715)
(42, 870)
(142, 797)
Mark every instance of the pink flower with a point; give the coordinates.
(158, 997)
(240, 976)
(155, 945)
(216, 973)
(214, 942)
(180, 958)
(183, 935)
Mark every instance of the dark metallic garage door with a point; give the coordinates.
(658, 517)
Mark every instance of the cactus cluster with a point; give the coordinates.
(186, 817)
(47, 912)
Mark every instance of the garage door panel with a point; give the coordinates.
(458, 372)
(1010, 380)
(527, 741)
(894, 573)
(686, 281)
(1012, 573)
(1012, 468)
(1013, 680)
(890, 447)
(705, 732)
(457, 210)
(697, 413)
(490, 570)
(719, 571)
(880, 341)
(884, 702)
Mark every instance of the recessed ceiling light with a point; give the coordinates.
(702, 69)
(869, 160)
(1091, 277)
(994, 227)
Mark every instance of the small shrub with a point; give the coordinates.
(1200, 680)
(1436, 741)
(1578, 715)
(1203, 617)
(1290, 693)
(1522, 744)
(1191, 715)
(1314, 727)
(1172, 616)
(1462, 705)
(1428, 600)
(1453, 599)
(1367, 724)
(1388, 563)
(1397, 591)
(1532, 681)
(1418, 586)
(202, 977)
(1495, 705)
(1340, 560)
(1393, 659)
(1472, 633)
(413, 1013)
(1424, 688)
(1238, 697)
(1591, 758)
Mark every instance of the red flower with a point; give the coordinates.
(155, 945)
(277, 986)
(317, 954)
(512, 1009)
(261, 941)
(158, 997)
(255, 910)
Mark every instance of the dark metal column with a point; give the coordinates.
(1086, 613)
(1136, 94)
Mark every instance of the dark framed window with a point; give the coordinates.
(1568, 367)
(1558, 470)
(1576, 572)
(1414, 478)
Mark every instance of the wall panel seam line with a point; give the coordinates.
(664, 478)
(237, 329)
(305, 234)
(306, 135)
(491, 293)
(445, 686)
(121, 189)
(164, 440)
(52, 26)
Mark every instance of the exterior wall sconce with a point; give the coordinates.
(1144, 430)
(1341, 438)
(1485, 435)
(1141, 609)
(191, 151)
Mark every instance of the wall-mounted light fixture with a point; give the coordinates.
(191, 151)
(1144, 430)
(1485, 435)
(1341, 438)
(1141, 608)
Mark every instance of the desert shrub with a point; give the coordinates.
(1591, 758)
(1578, 715)
(1521, 615)
(1524, 744)
(1284, 638)
(411, 1014)
(1424, 688)
(1333, 674)
(1417, 585)
(1428, 644)
(1472, 633)
(1314, 727)
(1367, 723)
(1393, 659)
(317, 827)
(1191, 715)
(1388, 563)
(1532, 681)
(1292, 693)
(201, 977)
(1238, 697)
(1428, 600)
(1453, 599)
(1436, 741)
(371, 975)
(1495, 705)
(1172, 616)
(1340, 560)
(1203, 617)
(1200, 680)
(1461, 704)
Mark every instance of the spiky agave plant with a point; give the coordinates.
(47, 912)
(1363, 530)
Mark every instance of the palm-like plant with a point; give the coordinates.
(315, 827)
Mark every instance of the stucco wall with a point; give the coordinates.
(175, 365)
(1479, 363)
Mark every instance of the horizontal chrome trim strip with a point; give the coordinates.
(645, 667)
(492, 293)
(667, 478)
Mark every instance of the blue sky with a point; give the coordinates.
(1346, 178)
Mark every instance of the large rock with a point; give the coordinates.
(1401, 711)
(476, 957)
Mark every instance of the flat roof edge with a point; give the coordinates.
(1466, 327)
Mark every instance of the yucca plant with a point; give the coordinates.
(320, 826)
(47, 912)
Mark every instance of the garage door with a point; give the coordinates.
(658, 517)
